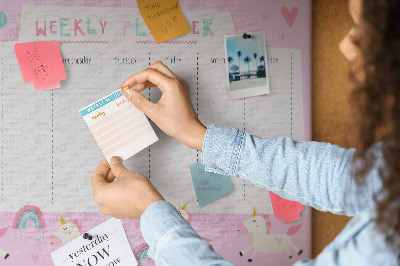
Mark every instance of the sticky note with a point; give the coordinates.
(109, 246)
(164, 18)
(41, 64)
(209, 186)
(119, 128)
(284, 209)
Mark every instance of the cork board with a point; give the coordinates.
(330, 97)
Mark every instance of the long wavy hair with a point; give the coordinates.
(375, 103)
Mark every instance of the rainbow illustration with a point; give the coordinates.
(141, 252)
(26, 213)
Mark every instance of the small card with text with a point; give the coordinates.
(109, 246)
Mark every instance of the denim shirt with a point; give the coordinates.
(312, 173)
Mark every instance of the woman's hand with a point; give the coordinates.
(174, 113)
(127, 197)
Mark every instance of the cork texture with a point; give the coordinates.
(331, 89)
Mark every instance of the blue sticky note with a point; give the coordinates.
(209, 186)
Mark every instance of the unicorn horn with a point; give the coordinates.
(254, 212)
(184, 206)
(62, 221)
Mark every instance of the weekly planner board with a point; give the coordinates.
(48, 153)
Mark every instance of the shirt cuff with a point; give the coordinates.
(222, 148)
(158, 219)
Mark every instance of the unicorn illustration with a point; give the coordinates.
(188, 217)
(185, 214)
(67, 232)
(2, 252)
(260, 226)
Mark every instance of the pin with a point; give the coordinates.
(87, 236)
(246, 36)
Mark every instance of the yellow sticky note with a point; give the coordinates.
(164, 18)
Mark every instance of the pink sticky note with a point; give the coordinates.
(284, 209)
(41, 64)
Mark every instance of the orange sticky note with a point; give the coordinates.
(284, 209)
(164, 18)
(41, 64)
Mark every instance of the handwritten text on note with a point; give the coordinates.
(164, 18)
(41, 63)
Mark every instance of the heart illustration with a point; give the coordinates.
(291, 16)
(278, 240)
(35, 257)
(281, 36)
(223, 232)
(265, 17)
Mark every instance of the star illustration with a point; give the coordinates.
(49, 258)
(301, 40)
(229, 245)
(18, 251)
(216, 220)
(278, 23)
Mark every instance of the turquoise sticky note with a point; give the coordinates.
(209, 186)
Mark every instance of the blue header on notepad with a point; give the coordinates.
(100, 103)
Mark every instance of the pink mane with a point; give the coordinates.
(78, 225)
(267, 221)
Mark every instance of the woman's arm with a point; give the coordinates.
(315, 174)
(173, 241)
(312, 173)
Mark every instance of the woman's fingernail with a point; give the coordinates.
(115, 160)
(129, 93)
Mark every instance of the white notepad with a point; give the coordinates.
(118, 126)
(109, 246)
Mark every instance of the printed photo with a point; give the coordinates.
(246, 64)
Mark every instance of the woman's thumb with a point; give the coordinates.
(138, 100)
(117, 167)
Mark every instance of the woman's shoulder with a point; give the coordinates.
(362, 241)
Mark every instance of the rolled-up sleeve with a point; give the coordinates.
(166, 231)
(313, 173)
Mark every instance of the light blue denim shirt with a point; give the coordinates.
(312, 173)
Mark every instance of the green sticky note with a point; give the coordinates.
(209, 186)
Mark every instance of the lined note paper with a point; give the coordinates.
(118, 126)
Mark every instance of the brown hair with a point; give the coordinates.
(375, 103)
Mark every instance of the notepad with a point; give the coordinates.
(108, 246)
(287, 210)
(164, 18)
(209, 186)
(41, 64)
(119, 128)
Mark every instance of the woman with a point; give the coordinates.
(362, 182)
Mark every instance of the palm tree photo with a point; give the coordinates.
(239, 53)
(255, 60)
(230, 60)
(262, 59)
(247, 60)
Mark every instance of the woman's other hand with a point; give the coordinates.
(127, 197)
